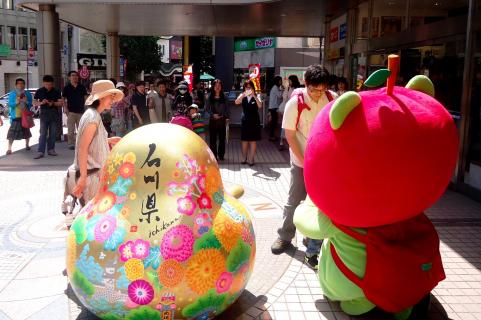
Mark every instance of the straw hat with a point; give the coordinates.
(103, 88)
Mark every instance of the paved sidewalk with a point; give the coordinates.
(32, 244)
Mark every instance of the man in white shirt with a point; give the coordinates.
(297, 127)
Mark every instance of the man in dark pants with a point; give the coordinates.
(74, 95)
(50, 101)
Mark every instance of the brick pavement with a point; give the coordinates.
(32, 245)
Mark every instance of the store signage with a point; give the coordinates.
(255, 75)
(189, 76)
(4, 50)
(337, 37)
(254, 44)
(92, 61)
(286, 72)
(84, 73)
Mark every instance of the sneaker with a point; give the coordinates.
(279, 246)
(40, 155)
(312, 262)
(52, 153)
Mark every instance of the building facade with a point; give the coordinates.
(440, 39)
(18, 46)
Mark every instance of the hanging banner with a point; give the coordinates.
(189, 76)
(255, 75)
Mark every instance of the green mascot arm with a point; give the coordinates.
(312, 223)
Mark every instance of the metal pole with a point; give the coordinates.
(466, 96)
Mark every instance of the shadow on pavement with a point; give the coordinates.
(23, 160)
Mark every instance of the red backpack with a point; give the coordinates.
(403, 263)
(301, 104)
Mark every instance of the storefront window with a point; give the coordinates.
(23, 38)
(388, 17)
(425, 12)
(33, 39)
(11, 34)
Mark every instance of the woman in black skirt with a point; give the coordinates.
(251, 122)
(18, 100)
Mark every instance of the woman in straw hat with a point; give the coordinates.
(92, 145)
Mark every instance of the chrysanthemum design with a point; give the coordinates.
(203, 270)
(177, 243)
(134, 269)
(106, 202)
(141, 292)
(141, 249)
(126, 170)
(104, 228)
(171, 273)
(130, 157)
(126, 251)
(227, 230)
(204, 201)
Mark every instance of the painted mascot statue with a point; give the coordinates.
(162, 239)
(375, 160)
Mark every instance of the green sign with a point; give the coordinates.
(254, 44)
(4, 50)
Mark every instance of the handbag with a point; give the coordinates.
(27, 119)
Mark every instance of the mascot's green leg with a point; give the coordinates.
(403, 315)
(357, 307)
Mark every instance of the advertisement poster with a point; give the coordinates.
(175, 50)
(164, 45)
(255, 75)
(286, 72)
(189, 76)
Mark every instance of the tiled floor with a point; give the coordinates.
(282, 287)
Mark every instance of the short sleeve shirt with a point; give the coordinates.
(52, 95)
(75, 97)
(305, 121)
(140, 100)
(98, 150)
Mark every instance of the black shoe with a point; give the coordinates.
(312, 262)
(244, 162)
(279, 246)
(39, 155)
(71, 147)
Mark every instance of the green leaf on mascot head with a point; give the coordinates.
(342, 107)
(421, 83)
(377, 78)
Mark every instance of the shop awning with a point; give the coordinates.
(206, 77)
(197, 17)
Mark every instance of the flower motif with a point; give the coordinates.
(213, 180)
(130, 157)
(177, 243)
(106, 202)
(201, 182)
(125, 212)
(176, 174)
(204, 202)
(186, 205)
(118, 159)
(141, 249)
(126, 251)
(141, 292)
(133, 196)
(126, 170)
(153, 259)
(224, 282)
(134, 269)
(227, 230)
(204, 269)
(171, 273)
(219, 197)
(121, 186)
(104, 228)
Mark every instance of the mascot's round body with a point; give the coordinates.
(374, 161)
(162, 239)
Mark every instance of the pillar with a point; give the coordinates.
(113, 56)
(48, 28)
(186, 50)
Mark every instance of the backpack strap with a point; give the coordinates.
(301, 105)
(329, 95)
(344, 269)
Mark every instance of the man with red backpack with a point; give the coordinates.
(299, 114)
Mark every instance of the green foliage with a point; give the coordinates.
(207, 241)
(238, 256)
(78, 226)
(143, 313)
(210, 301)
(154, 278)
(142, 53)
(109, 316)
(80, 281)
(378, 78)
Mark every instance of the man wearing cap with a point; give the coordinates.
(74, 95)
(139, 106)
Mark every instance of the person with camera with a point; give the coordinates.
(18, 101)
(50, 100)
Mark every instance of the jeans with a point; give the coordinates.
(48, 130)
(297, 193)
